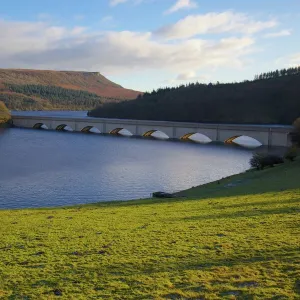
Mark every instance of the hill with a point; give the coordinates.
(233, 239)
(272, 98)
(38, 89)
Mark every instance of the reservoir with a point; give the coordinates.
(40, 168)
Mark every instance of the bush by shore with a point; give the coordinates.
(4, 114)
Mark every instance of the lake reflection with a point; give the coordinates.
(48, 168)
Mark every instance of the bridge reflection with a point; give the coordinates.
(64, 127)
(121, 131)
(90, 129)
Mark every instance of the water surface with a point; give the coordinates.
(47, 168)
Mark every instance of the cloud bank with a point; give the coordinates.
(214, 23)
(176, 48)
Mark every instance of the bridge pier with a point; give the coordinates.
(218, 133)
(270, 137)
(174, 131)
(137, 130)
(104, 128)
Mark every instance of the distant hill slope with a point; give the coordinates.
(270, 99)
(38, 89)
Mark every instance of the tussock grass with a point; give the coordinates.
(236, 239)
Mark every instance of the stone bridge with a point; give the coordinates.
(267, 135)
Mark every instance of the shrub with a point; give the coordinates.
(260, 161)
(291, 154)
(4, 113)
(255, 161)
(295, 134)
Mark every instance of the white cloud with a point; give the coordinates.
(44, 17)
(285, 32)
(107, 19)
(212, 23)
(42, 46)
(116, 2)
(288, 61)
(294, 59)
(181, 4)
(77, 30)
(79, 17)
(188, 75)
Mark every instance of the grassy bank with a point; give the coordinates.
(4, 114)
(236, 239)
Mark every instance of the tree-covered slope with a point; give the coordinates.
(42, 90)
(271, 98)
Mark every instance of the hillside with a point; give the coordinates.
(38, 89)
(272, 98)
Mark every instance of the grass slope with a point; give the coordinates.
(238, 239)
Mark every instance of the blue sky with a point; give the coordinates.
(146, 44)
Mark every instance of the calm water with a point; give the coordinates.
(47, 168)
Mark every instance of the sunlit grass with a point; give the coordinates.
(233, 239)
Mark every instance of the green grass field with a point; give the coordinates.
(236, 239)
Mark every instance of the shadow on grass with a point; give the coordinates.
(257, 203)
(283, 255)
(247, 213)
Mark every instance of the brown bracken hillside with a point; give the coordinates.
(19, 87)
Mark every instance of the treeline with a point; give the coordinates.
(272, 101)
(278, 73)
(22, 102)
(57, 96)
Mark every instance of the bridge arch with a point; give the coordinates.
(40, 126)
(244, 141)
(90, 129)
(196, 137)
(63, 127)
(157, 134)
(121, 131)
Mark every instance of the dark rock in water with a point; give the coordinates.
(162, 195)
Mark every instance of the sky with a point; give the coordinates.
(147, 44)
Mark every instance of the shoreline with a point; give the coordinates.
(177, 196)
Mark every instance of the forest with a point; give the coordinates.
(40, 97)
(271, 98)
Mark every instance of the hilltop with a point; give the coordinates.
(271, 98)
(45, 89)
